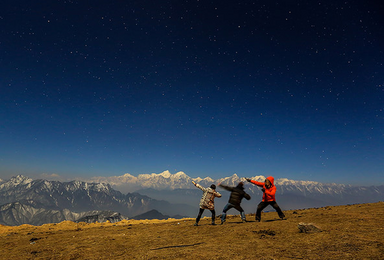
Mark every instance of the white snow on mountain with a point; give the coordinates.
(18, 180)
(285, 181)
(168, 181)
(164, 180)
(206, 179)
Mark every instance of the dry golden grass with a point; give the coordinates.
(349, 232)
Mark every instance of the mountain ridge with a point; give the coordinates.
(21, 198)
(24, 212)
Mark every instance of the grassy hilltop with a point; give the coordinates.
(348, 232)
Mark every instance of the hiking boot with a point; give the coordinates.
(196, 224)
(213, 224)
(222, 222)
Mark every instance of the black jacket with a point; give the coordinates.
(237, 194)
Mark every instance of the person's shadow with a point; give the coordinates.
(241, 222)
(276, 219)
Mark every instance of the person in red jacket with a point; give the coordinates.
(269, 191)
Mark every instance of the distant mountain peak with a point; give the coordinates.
(127, 175)
(165, 174)
(152, 214)
(15, 181)
(180, 175)
(21, 179)
(206, 179)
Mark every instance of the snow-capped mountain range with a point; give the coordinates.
(161, 181)
(179, 180)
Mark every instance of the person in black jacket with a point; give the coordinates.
(237, 194)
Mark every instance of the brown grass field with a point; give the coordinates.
(348, 232)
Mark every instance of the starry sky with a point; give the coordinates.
(293, 89)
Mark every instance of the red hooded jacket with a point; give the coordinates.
(269, 194)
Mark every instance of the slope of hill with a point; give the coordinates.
(348, 232)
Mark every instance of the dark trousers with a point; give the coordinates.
(201, 213)
(262, 205)
(228, 207)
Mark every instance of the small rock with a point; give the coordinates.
(308, 228)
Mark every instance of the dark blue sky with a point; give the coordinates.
(211, 88)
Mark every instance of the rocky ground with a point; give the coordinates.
(342, 232)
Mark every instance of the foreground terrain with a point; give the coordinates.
(348, 232)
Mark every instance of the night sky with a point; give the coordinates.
(293, 89)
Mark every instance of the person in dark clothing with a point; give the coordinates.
(269, 191)
(237, 194)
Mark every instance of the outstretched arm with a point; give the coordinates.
(225, 187)
(198, 186)
(260, 184)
